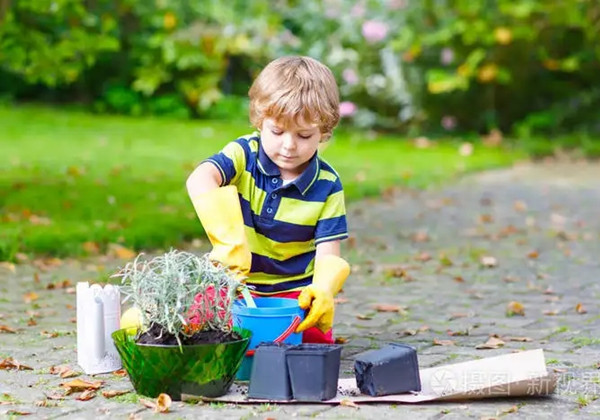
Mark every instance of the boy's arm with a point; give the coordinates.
(219, 211)
(329, 276)
(205, 177)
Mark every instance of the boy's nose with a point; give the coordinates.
(288, 142)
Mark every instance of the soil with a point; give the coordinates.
(157, 335)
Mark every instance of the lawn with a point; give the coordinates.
(72, 183)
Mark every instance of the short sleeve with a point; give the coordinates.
(332, 224)
(231, 162)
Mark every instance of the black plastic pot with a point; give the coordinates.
(314, 371)
(269, 379)
(393, 369)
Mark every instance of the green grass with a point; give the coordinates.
(67, 177)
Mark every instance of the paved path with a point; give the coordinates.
(419, 251)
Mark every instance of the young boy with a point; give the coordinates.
(272, 209)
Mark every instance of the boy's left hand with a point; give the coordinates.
(330, 274)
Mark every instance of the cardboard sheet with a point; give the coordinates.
(515, 375)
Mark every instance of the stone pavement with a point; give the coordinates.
(446, 263)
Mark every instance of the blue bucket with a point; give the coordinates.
(269, 320)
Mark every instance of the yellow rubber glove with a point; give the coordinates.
(131, 320)
(220, 212)
(330, 274)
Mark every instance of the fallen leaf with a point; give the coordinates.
(86, 395)
(423, 328)
(520, 206)
(420, 236)
(163, 403)
(340, 300)
(457, 315)
(519, 339)
(489, 261)
(17, 413)
(115, 392)
(119, 251)
(409, 332)
(55, 396)
(512, 409)
(492, 343)
(510, 279)
(515, 308)
(49, 334)
(437, 342)
(457, 333)
(10, 363)
(341, 340)
(551, 312)
(120, 372)
(560, 370)
(459, 279)
(36, 277)
(348, 403)
(364, 317)
(30, 297)
(77, 385)
(31, 322)
(486, 218)
(8, 266)
(549, 291)
(63, 371)
(382, 307)
(533, 255)
(7, 329)
(423, 257)
(580, 309)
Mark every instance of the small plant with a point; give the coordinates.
(180, 293)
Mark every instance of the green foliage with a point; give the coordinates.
(180, 292)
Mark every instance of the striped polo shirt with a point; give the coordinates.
(283, 223)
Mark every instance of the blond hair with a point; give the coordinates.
(298, 89)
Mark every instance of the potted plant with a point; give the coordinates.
(186, 343)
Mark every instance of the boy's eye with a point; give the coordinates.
(276, 132)
(305, 137)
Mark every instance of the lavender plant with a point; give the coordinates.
(180, 291)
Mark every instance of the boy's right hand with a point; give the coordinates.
(220, 213)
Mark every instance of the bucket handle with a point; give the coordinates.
(295, 322)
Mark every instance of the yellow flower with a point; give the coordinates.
(503, 35)
(169, 21)
(487, 73)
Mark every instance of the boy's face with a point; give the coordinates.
(290, 146)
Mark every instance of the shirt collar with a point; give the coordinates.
(303, 182)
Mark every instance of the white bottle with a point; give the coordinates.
(98, 316)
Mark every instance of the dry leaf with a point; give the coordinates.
(459, 279)
(520, 339)
(86, 395)
(10, 363)
(383, 307)
(8, 266)
(492, 343)
(119, 251)
(120, 372)
(55, 396)
(340, 300)
(7, 329)
(348, 403)
(364, 317)
(510, 279)
(17, 413)
(78, 385)
(163, 403)
(520, 206)
(560, 370)
(423, 328)
(437, 342)
(579, 308)
(30, 297)
(515, 308)
(512, 409)
(31, 322)
(551, 312)
(457, 315)
(341, 340)
(486, 218)
(420, 236)
(49, 334)
(489, 261)
(63, 371)
(409, 332)
(423, 257)
(533, 255)
(114, 392)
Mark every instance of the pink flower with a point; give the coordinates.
(347, 109)
(397, 4)
(448, 122)
(350, 76)
(358, 10)
(203, 308)
(447, 56)
(374, 30)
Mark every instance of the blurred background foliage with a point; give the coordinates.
(526, 67)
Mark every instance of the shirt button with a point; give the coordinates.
(274, 180)
(269, 210)
(273, 196)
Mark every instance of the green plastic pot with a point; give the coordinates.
(204, 370)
